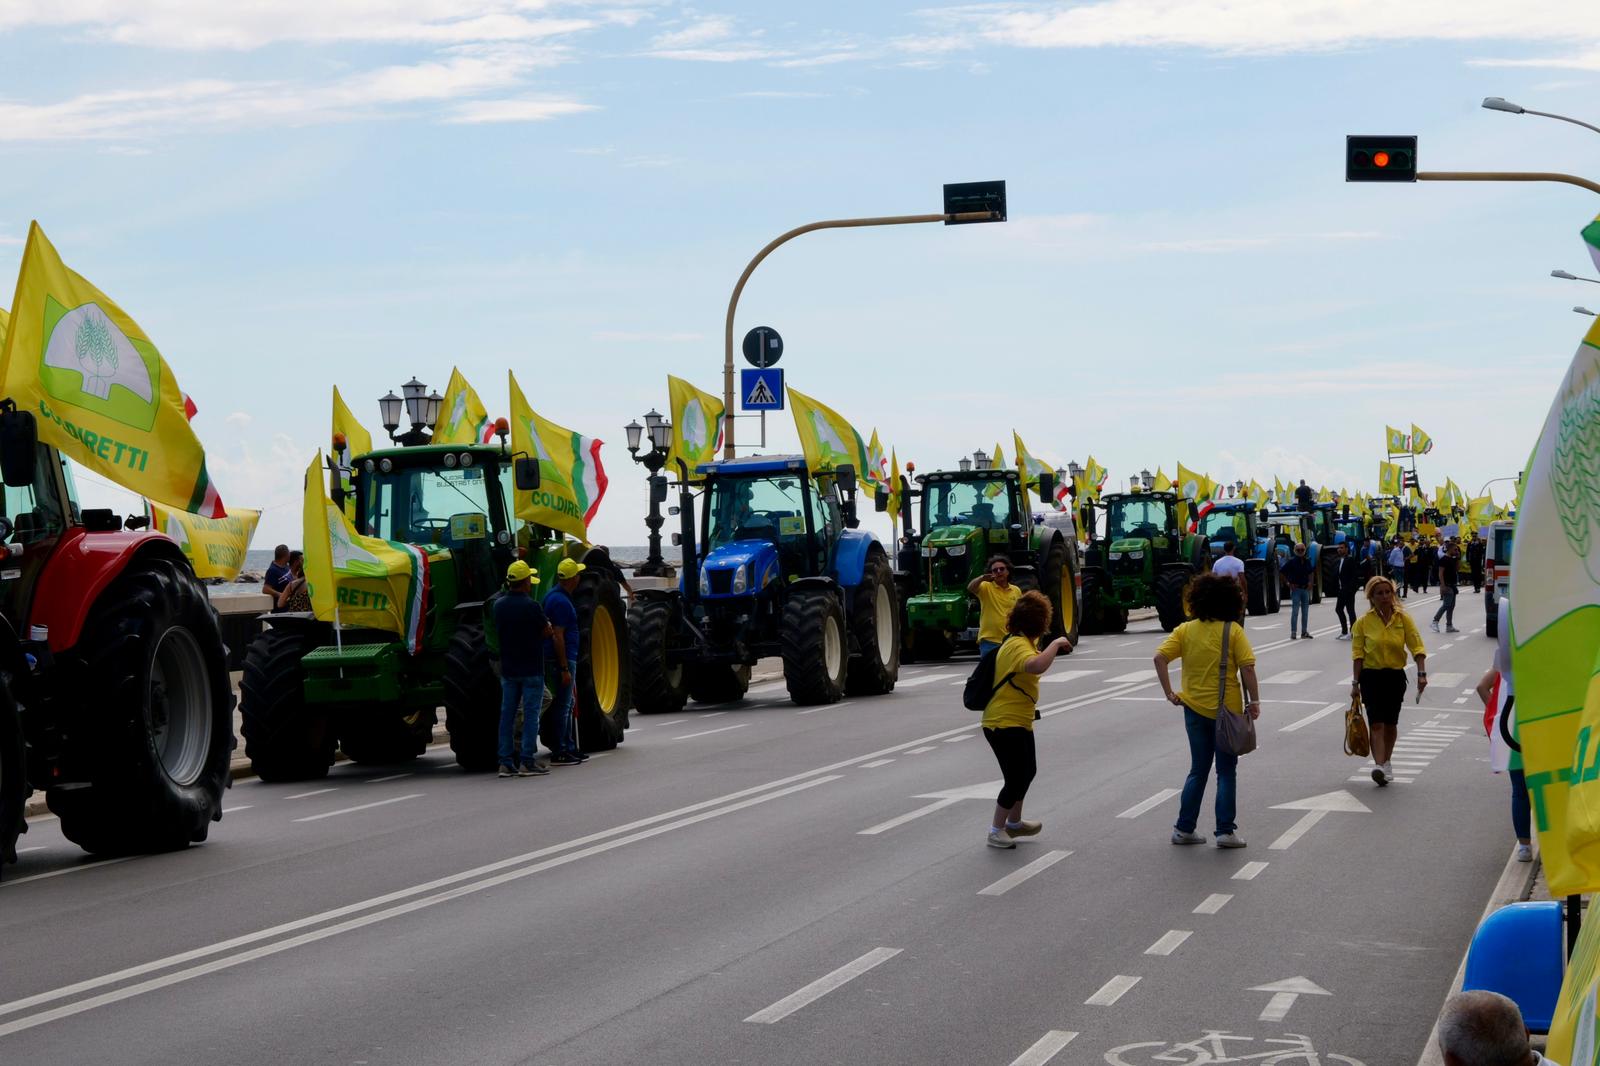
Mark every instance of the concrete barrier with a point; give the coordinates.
(241, 622)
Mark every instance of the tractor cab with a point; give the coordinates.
(766, 521)
(1141, 531)
(974, 511)
(1235, 522)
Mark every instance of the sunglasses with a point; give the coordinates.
(999, 569)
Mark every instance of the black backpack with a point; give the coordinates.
(980, 688)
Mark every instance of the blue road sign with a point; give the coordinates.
(761, 390)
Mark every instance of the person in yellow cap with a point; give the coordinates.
(521, 624)
(562, 651)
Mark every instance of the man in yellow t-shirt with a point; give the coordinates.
(996, 596)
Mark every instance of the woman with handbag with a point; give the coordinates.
(1008, 717)
(1378, 645)
(1215, 656)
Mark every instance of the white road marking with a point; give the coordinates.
(391, 777)
(829, 706)
(1057, 677)
(1150, 804)
(1170, 941)
(957, 740)
(708, 732)
(14, 882)
(1461, 699)
(875, 763)
(1445, 678)
(1136, 675)
(1213, 903)
(763, 689)
(1111, 991)
(822, 986)
(362, 807)
(909, 816)
(1263, 629)
(919, 751)
(313, 792)
(1308, 719)
(242, 807)
(1128, 644)
(1396, 780)
(923, 680)
(1249, 871)
(1016, 877)
(1290, 677)
(712, 714)
(24, 851)
(1045, 1048)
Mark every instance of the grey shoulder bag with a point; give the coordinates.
(1236, 733)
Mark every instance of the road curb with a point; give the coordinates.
(1515, 885)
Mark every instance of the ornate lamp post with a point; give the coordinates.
(421, 410)
(659, 432)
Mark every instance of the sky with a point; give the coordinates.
(292, 195)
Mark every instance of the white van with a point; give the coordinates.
(1496, 571)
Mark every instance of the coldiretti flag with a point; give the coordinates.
(1421, 443)
(696, 426)
(1481, 509)
(349, 440)
(826, 438)
(572, 480)
(1030, 469)
(215, 547)
(100, 391)
(1163, 482)
(1190, 483)
(1396, 442)
(894, 486)
(1388, 478)
(356, 580)
(462, 417)
(877, 470)
(1258, 494)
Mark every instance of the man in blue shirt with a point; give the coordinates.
(562, 647)
(521, 625)
(278, 575)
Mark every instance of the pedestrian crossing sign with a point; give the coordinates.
(761, 389)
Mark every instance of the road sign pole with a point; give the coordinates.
(836, 223)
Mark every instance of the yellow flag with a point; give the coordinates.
(215, 547)
(349, 440)
(360, 581)
(5, 326)
(1277, 489)
(1324, 496)
(1163, 482)
(877, 471)
(894, 486)
(1388, 478)
(1421, 443)
(98, 388)
(1190, 483)
(572, 480)
(696, 426)
(826, 438)
(1395, 441)
(1030, 470)
(1258, 494)
(462, 417)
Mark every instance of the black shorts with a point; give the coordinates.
(1383, 692)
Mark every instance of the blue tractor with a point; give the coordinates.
(1237, 522)
(778, 569)
(1293, 527)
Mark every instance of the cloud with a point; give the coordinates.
(703, 31)
(1255, 243)
(615, 336)
(240, 419)
(1237, 27)
(779, 94)
(1588, 59)
(713, 39)
(7, 241)
(481, 111)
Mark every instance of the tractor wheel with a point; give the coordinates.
(1255, 583)
(934, 645)
(1170, 588)
(874, 631)
(1115, 619)
(14, 788)
(1058, 580)
(604, 680)
(158, 756)
(1316, 581)
(815, 648)
(1095, 602)
(373, 734)
(1274, 584)
(717, 682)
(285, 739)
(1330, 568)
(471, 700)
(653, 632)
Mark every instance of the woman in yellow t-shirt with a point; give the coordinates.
(1008, 720)
(1215, 600)
(1378, 645)
(996, 596)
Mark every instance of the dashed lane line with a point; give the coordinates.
(1290, 677)
(1016, 877)
(1249, 871)
(1170, 941)
(360, 807)
(959, 739)
(875, 763)
(712, 714)
(708, 732)
(1213, 903)
(15, 881)
(1314, 716)
(814, 991)
(1045, 1048)
(1111, 991)
(919, 751)
(829, 707)
(1150, 804)
(923, 680)
(313, 792)
(381, 780)
(909, 816)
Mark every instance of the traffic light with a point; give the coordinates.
(971, 196)
(1380, 158)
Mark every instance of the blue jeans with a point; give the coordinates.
(1202, 751)
(1300, 608)
(566, 732)
(526, 693)
(985, 645)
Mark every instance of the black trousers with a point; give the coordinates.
(1013, 750)
(1345, 608)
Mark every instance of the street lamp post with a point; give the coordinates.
(1584, 311)
(659, 432)
(1500, 103)
(421, 409)
(1565, 276)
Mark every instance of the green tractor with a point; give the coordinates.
(307, 689)
(968, 516)
(1144, 559)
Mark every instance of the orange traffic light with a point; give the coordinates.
(1380, 159)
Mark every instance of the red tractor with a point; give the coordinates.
(114, 693)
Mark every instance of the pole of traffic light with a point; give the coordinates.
(1507, 175)
(836, 223)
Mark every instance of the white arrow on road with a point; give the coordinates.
(1284, 993)
(941, 800)
(1317, 808)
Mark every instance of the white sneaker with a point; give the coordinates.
(1230, 840)
(1434, 626)
(1524, 852)
(999, 838)
(1180, 837)
(1342, 636)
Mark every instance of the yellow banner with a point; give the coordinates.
(696, 427)
(215, 547)
(1389, 478)
(1395, 441)
(826, 438)
(462, 417)
(572, 480)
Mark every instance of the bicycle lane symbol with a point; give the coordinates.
(1212, 1047)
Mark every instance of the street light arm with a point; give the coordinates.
(1563, 118)
(772, 246)
(1507, 175)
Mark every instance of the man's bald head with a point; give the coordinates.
(1483, 1029)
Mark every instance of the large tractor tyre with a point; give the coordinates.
(1255, 583)
(373, 735)
(1114, 618)
(157, 673)
(14, 788)
(1330, 568)
(658, 688)
(604, 681)
(718, 682)
(1058, 580)
(285, 739)
(1170, 588)
(874, 665)
(815, 647)
(933, 645)
(471, 700)
(1274, 584)
(1316, 581)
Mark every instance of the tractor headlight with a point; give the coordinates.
(929, 551)
(1136, 555)
(741, 580)
(450, 460)
(956, 549)
(385, 465)
(1115, 556)
(705, 582)
(466, 458)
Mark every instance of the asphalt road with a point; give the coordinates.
(769, 884)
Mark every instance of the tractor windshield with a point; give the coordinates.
(771, 509)
(985, 504)
(1351, 528)
(1225, 526)
(1135, 517)
(36, 511)
(431, 505)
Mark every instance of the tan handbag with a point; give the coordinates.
(1236, 733)
(1356, 740)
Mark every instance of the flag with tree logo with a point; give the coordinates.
(1389, 479)
(1421, 443)
(1396, 442)
(215, 547)
(572, 480)
(1031, 470)
(98, 388)
(877, 471)
(462, 417)
(696, 426)
(827, 440)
